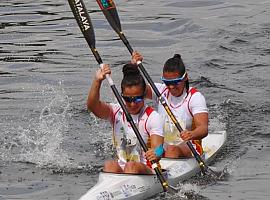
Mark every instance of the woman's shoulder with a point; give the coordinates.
(197, 100)
(195, 93)
(155, 122)
(152, 113)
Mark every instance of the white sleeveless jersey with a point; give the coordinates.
(127, 145)
(183, 107)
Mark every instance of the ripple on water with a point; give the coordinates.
(195, 4)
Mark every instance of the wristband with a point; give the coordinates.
(159, 150)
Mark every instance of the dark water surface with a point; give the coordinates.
(51, 148)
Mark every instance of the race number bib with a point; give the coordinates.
(172, 135)
(129, 149)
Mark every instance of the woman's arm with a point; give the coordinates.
(201, 128)
(155, 127)
(152, 153)
(201, 124)
(94, 104)
(200, 117)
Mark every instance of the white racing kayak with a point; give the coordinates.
(128, 186)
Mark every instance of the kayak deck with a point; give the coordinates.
(129, 186)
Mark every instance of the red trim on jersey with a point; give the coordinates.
(148, 112)
(192, 91)
(164, 90)
(113, 117)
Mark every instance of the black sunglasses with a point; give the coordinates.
(135, 99)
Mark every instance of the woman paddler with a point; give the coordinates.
(131, 158)
(186, 103)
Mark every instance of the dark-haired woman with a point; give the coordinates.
(187, 104)
(131, 158)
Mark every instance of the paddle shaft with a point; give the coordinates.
(83, 19)
(110, 12)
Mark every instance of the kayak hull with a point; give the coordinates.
(112, 186)
(122, 186)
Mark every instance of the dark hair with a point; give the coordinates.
(132, 77)
(176, 64)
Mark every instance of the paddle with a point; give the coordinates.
(85, 24)
(109, 10)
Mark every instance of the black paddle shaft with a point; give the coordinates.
(83, 19)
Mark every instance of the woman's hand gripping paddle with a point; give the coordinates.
(85, 24)
(109, 10)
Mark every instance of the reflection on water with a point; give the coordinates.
(46, 69)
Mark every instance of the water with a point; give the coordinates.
(51, 148)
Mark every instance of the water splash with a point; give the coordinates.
(189, 190)
(40, 142)
(49, 135)
(185, 191)
(230, 167)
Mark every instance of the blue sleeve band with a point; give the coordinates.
(159, 150)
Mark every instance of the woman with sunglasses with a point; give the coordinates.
(131, 158)
(187, 104)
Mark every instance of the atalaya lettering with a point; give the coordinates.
(84, 20)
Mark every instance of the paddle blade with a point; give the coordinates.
(172, 190)
(215, 173)
(109, 10)
(83, 19)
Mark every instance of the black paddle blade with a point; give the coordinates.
(82, 17)
(172, 190)
(209, 172)
(217, 175)
(109, 10)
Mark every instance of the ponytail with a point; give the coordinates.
(132, 77)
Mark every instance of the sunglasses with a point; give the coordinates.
(175, 81)
(135, 99)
